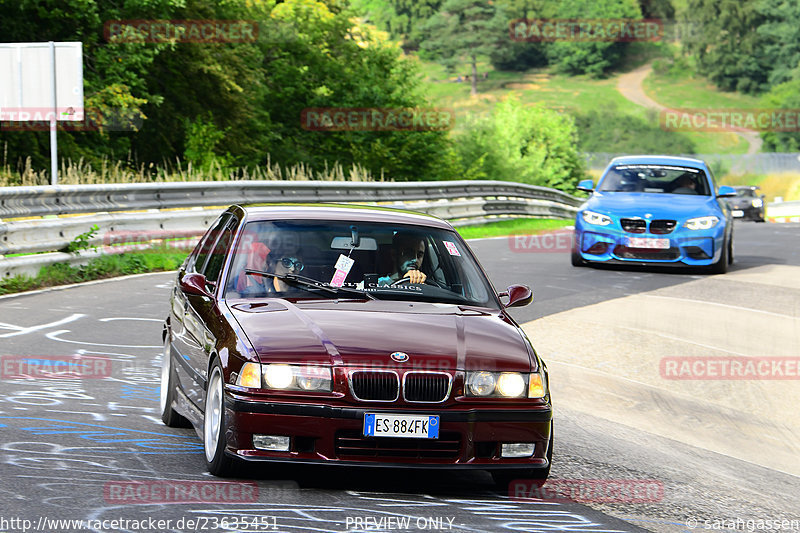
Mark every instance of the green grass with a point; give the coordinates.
(581, 94)
(107, 266)
(517, 226)
(694, 92)
(534, 87)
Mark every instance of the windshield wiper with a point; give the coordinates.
(311, 284)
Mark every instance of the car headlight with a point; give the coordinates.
(481, 383)
(250, 376)
(702, 222)
(303, 378)
(505, 385)
(590, 217)
(758, 202)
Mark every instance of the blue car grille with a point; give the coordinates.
(639, 225)
(633, 225)
(662, 227)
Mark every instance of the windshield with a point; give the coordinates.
(745, 192)
(655, 179)
(318, 259)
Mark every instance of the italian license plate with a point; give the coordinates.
(410, 426)
(645, 242)
(737, 213)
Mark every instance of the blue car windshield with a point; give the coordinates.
(668, 179)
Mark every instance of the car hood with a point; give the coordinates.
(435, 336)
(659, 205)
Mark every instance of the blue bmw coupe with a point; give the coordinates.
(655, 210)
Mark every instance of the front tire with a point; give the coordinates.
(169, 416)
(214, 426)
(721, 266)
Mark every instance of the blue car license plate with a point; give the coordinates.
(408, 426)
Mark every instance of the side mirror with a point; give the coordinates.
(726, 191)
(194, 284)
(586, 185)
(518, 296)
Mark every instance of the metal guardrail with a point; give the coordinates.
(460, 202)
(38, 201)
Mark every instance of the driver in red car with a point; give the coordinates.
(407, 251)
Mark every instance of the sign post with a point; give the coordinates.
(38, 79)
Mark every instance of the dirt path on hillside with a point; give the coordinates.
(630, 86)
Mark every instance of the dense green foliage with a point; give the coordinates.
(527, 144)
(236, 103)
(745, 46)
(614, 132)
(783, 96)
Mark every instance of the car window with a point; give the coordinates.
(385, 252)
(217, 257)
(197, 262)
(650, 178)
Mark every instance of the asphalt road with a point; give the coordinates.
(71, 448)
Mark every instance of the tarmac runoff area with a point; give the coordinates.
(608, 360)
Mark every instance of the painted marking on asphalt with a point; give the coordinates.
(22, 330)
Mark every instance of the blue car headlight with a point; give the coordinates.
(590, 217)
(702, 222)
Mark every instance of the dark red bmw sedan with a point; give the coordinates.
(353, 336)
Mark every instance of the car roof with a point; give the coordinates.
(341, 212)
(658, 160)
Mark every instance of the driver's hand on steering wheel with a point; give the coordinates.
(416, 276)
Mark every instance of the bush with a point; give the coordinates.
(615, 132)
(520, 143)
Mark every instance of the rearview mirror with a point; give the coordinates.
(518, 295)
(346, 243)
(586, 185)
(726, 191)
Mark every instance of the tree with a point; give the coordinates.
(729, 50)
(593, 57)
(780, 39)
(783, 96)
(463, 30)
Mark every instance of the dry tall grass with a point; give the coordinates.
(80, 172)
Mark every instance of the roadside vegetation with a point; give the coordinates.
(194, 110)
(106, 266)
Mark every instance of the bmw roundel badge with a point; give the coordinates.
(400, 357)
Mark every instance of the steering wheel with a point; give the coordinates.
(428, 281)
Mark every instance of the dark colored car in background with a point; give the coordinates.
(655, 210)
(293, 338)
(747, 203)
